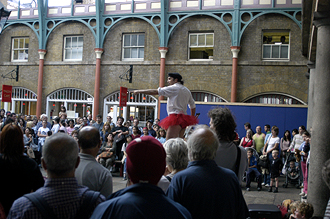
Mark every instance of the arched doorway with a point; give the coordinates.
(139, 106)
(274, 98)
(77, 102)
(24, 101)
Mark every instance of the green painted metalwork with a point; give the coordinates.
(169, 20)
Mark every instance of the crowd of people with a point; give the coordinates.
(198, 176)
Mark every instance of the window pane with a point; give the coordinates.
(266, 53)
(141, 40)
(201, 40)
(209, 39)
(284, 52)
(15, 43)
(276, 52)
(80, 41)
(68, 43)
(134, 53)
(79, 53)
(21, 55)
(133, 40)
(193, 40)
(126, 40)
(74, 54)
(27, 40)
(126, 53)
(68, 54)
(74, 41)
(141, 52)
(21, 43)
(16, 55)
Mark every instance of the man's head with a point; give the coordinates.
(88, 138)
(135, 122)
(60, 156)
(109, 119)
(267, 128)
(43, 117)
(258, 129)
(203, 144)
(145, 160)
(247, 126)
(98, 119)
(120, 121)
(223, 123)
(174, 78)
(149, 125)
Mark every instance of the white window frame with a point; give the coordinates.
(189, 46)
(274, 45)
(72, 48)
(130, 47)
(20, 49)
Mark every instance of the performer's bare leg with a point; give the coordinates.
(173, 132)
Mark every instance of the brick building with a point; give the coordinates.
(227, 51)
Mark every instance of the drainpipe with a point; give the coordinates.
(235, 50)
(98, 53)
(163, 51)
(42, 54)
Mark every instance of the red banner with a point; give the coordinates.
(123, 96)
(6, 93)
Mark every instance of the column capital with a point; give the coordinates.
(321, 19)
(163, 51)
(42, 53)
(98, 52)
(235, 50)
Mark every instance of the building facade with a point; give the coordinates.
(230, 50)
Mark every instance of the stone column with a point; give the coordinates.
(318, 192)
(98, 53)
(311, 83)
(235, 50)
(42, 54)
(163, 51)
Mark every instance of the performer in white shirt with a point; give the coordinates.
(178, 97)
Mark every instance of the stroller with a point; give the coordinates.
(292, 172)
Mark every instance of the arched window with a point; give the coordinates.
(23, 101)
(77, 102)
(141, 106)
(202, 96)
(274, 98)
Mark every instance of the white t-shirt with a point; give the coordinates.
(178, 97)
(55, 128)
(272, 141)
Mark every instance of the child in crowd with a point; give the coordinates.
(145, 132)
(161, 135)
(123, 149)
(304, 210)
(293, 170)
(252, 161)
(275, 170)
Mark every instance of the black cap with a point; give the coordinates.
(175, 75)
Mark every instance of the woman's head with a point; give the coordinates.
(109, 137)
(135, 130)
(27, 131)
(161, 133)
(106, 127)
(176, 153)
(11, 144)
(63, 109)
(249, 134)
(275, 130)
(71, 123)
(287, 135)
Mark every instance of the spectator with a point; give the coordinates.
(259, 139)
(247, 141)
(228, 155)
(119, 133)
(145, 166)
(161, 135)
(252, 161)
(99, 124)
(150, 129)
(304, 152)
(285, 144)
(108, 152)
(247, 126)
(43, 117)
(205, 182)
(42, 134)
(70, 128)
(268, 132)
(56, 125)
(89, 172)
(275, 170)
(304, 210)
(61, 192)
(19, 174)
(136, 123)
(297, 139)
(145, 132)
(105, 130)
(135, 132)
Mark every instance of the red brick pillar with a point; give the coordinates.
(235, 50)
(98, 53)
(163, 51)
(42, 54)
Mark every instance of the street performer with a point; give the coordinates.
(178, 97)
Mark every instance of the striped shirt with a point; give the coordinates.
(64, 196)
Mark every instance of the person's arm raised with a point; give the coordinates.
(148, 91)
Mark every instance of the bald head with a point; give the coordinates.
(203, 144)
(88, 137)
(60, 154)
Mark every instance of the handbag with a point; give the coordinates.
(106, 154)
(30, 152)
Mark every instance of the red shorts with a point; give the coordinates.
(178, 119)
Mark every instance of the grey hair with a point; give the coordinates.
(176, 153)
(60, 153)
(203, 144)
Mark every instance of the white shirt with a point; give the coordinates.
(178, 97)
(272, 141)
